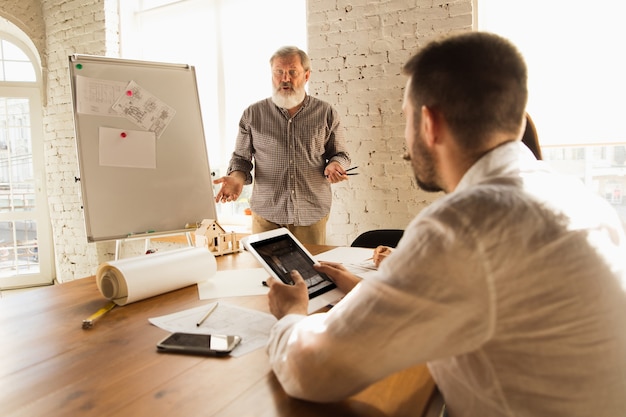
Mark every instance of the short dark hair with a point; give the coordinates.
(476, 80)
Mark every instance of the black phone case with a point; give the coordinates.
(193, 344)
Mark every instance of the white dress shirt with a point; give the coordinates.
(511, 288)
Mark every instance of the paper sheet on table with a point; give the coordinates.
(132, 279)
(251, 325)
(356, 260)
(234, 283)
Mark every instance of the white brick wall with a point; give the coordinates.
(71, 27)
(357, 50)
(27, 15)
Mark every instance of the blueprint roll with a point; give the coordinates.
(132, 279)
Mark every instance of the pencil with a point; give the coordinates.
(208, 313)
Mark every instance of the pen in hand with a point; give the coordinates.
(347, 172)
(208, 313)
(351, 173)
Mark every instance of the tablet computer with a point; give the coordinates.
(280, 252)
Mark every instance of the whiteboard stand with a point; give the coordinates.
(163, 181)
(146, 237)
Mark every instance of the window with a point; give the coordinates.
(16, 66)
(229, 42)
(26, 250)
(576, 83)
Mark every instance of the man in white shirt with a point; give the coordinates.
(510, 287)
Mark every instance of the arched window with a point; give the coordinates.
(26, 251)
(16, 65)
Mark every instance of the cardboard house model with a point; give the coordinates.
(220, 242)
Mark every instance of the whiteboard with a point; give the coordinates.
(144, 168)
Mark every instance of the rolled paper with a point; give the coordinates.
(132, 279)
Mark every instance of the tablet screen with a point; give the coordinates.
(283, 255)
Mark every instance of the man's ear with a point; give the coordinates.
(429, 125)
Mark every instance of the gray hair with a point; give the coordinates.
(287, 51)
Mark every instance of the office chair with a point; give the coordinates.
(374, 238)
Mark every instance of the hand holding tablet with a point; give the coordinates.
(279, 252)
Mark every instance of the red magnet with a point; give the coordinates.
(123, 134)
(129, 93)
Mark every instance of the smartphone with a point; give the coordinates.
(199, 344)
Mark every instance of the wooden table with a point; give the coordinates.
(50, 366)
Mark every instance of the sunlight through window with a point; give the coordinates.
(15, 65)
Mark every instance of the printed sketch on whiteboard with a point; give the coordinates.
(144, 109)
(95, 96)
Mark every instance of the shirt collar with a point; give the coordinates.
(511, 158)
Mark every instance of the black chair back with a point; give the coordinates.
(374, 238)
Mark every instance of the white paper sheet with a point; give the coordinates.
(234, 283)
(132, 279)
(145, 110)
(356, 260)
(251, 325)
(95, 96)
(126, 148)
(244, 282)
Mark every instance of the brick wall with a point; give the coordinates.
(27, 15)
(86, 27)
(357, 49)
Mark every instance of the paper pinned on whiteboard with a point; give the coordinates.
(95, 96)
(126, 148)
(144, 109)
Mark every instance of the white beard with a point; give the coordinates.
(288, 101)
